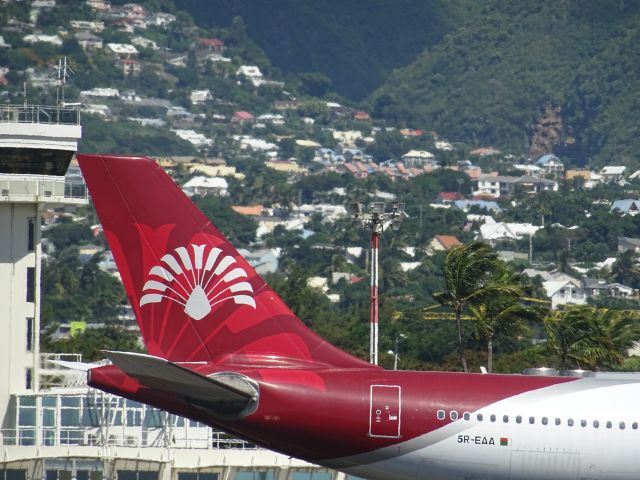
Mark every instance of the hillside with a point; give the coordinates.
(538, 77)
(355, 43)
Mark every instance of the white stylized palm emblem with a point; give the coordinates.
(197, 284)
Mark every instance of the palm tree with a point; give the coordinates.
(501, 315)
(468, 271)
(591, 337)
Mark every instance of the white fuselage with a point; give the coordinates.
(588, 429)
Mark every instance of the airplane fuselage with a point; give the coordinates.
(432, 425)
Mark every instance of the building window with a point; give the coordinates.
(29, 334)
(31, 284)
(28, 379)
(13, 474)
(31, 234)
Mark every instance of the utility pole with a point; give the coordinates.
(375, 221)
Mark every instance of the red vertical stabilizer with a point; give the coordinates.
(195, 297)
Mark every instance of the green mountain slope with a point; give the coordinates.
(559, 76)
(356, 43)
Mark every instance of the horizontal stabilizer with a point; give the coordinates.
(79, 366)
(160, 374)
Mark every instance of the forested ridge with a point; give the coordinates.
(356, 43)
(534, 77)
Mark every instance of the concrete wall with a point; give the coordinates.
(15, 258)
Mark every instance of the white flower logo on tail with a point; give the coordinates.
(198, 280)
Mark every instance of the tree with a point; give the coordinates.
(468, 271)
(500, 315)
(591, 337)
(315, 84)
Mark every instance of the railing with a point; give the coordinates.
(41, 185)
(140, 438)
(46, 357)
(40, 114)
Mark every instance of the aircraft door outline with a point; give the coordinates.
(385, 406)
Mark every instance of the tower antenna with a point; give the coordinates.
(62, 72)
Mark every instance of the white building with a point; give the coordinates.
(42, 38)
(123, 50)
(564, 292)
(417, 158)
(200, 97)
(204, 186)
(251, 73)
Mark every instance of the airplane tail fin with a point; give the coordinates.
(194, 296)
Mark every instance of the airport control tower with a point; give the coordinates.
(37, 144)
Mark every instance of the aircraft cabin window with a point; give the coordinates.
(453, 415)
(609, 424)
(492, 418)
(583, 423)
(558, 421)
(479, 417)
(467, 415)
(596, 424)
(532, 420)
(505, 418)
(519, 419)
(622, 426)
(570, 422)
(545, 420)
(441, 415)
(634, 425)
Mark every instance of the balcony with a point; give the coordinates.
(49, 189)
(40, 114)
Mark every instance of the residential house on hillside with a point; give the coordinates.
(589, 178)
(144, 42)
(442, 243)
(485, 152)
(497, 186)
(130, 66)
(447, 198)
(263, 261)
(123, 50)
(95, 26)
(628, 243)
(251, 73)
(88, 41)
(200, 97)
(42, 38)
(564, 292)
(418, 158)
(626, 207)
(161, 19)
(612, 174)
(205, 186)
(493, 232)
(242, 117)
(99, 5)
(550, 164)
(487, 205)
(214, 45)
